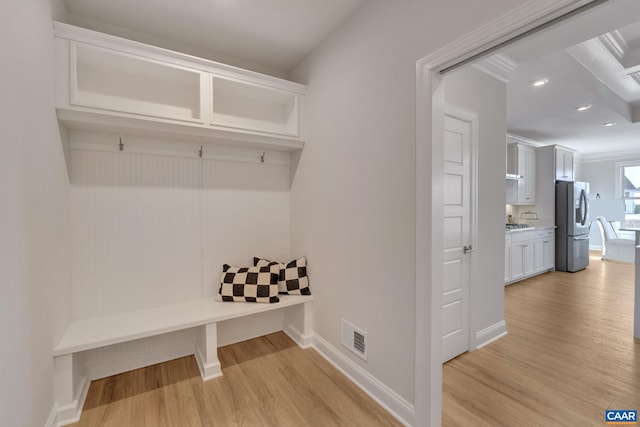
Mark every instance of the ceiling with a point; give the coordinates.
(588, 60)
(266, 35)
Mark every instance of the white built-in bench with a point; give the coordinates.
(71, 385)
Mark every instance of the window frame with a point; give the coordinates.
(619, 173)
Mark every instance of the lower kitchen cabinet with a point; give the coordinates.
(507, 258)
(528, 253)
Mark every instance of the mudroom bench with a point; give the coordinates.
(71, 383)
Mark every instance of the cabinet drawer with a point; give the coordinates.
(522, 236)
(545, 233)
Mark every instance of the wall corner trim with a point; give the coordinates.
(396, 405)
(429, 103)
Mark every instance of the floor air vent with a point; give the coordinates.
(354, 339)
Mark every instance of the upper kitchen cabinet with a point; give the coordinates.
(521, 162)
(564, 163)
(110, 83)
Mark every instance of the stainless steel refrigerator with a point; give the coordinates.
(572, 222)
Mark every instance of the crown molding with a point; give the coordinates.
(607, 157)
(615, 44)
(497, 66)
(512, 137)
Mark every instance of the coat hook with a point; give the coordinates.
(121, 145)
(262, 157)
(200, 152)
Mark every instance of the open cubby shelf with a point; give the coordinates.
(118, 84)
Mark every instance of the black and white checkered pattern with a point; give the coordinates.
(249, 284)
(293, 279)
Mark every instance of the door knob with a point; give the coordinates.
(468, 249)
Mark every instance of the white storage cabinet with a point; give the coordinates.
(528, 253)
(507, 258)
(521, 160)
(564, 164)
(111, 83)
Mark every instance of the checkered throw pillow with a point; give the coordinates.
(293, 279)
(249, 284)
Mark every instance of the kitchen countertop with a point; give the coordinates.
(519, 230)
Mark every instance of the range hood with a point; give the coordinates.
(514, 176)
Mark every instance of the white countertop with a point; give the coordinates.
(518, 230)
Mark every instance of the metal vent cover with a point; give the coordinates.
(355, 339)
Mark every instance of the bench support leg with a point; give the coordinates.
(71, 387)
(298, 324)
(207, 352)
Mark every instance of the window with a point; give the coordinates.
(629, 188)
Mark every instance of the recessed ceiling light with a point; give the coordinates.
(540, 82)
(583, 107)
(609, 124)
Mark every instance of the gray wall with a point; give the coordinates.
(473, 90)
(353, 193)
(35, 264)
(602, 179)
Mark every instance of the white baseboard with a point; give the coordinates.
(53, 415)
(490, 334)
(208, 371)
(396, 405)
(249, 327)
(304, 341)
(140, 360)
(69, 414)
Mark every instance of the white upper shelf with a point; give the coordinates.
(108, 83)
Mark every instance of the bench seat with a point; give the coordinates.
(71, 384)
(87, 334)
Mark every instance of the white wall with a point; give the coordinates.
(353, 193)
(601, 176)
(475, 91)
(154, 224)
(35, 266)
(153, 229)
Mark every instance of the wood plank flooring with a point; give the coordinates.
(268, 381)
(569, 354)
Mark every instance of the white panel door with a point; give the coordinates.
(457, 235)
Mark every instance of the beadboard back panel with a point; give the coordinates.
(150, 230)
(245, 210)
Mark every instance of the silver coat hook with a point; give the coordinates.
(262, 157)
(121, 145)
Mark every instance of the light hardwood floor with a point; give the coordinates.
(569, 354)
(268, 381)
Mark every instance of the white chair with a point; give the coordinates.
(613, 247)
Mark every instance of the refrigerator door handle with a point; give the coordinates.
(583, 207)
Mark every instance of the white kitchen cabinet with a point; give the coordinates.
(109, 83)
(544, 250)
(564, 164)
(528, 253)
(517, 261)
(549, 254)
(522, 254)
(539, 255)
(521, 160)
(507, 258)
